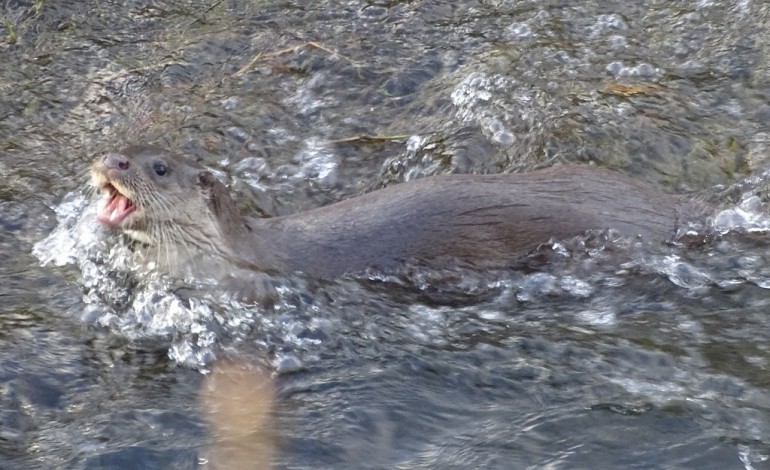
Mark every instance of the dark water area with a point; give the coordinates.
(597, 353)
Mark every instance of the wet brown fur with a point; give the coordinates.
(480, 220)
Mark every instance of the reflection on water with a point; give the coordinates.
(237, 402)
(595, 353)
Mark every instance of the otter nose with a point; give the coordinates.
(116, 161)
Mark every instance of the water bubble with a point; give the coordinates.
(518, 30)
(230, 103)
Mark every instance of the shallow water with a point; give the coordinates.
(599, 354)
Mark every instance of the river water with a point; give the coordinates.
(597, 353)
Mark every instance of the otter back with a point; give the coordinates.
(481, 220)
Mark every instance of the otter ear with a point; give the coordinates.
(217, 195)
(206, 180)
(210, 187)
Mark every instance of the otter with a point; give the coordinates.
(167, 201)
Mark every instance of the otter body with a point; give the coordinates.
(480, 220)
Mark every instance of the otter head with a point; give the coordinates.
(163, 200)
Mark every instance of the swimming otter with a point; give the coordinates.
(168, 202)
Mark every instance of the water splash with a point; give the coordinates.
(749, 216)
(74, 234)
(135, 302)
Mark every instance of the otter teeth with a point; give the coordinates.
(121, 205)
(116, 208)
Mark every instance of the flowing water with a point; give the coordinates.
(597, 353)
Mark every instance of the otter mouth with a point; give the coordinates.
(117, 207)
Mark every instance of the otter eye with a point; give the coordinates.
(160, 169)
